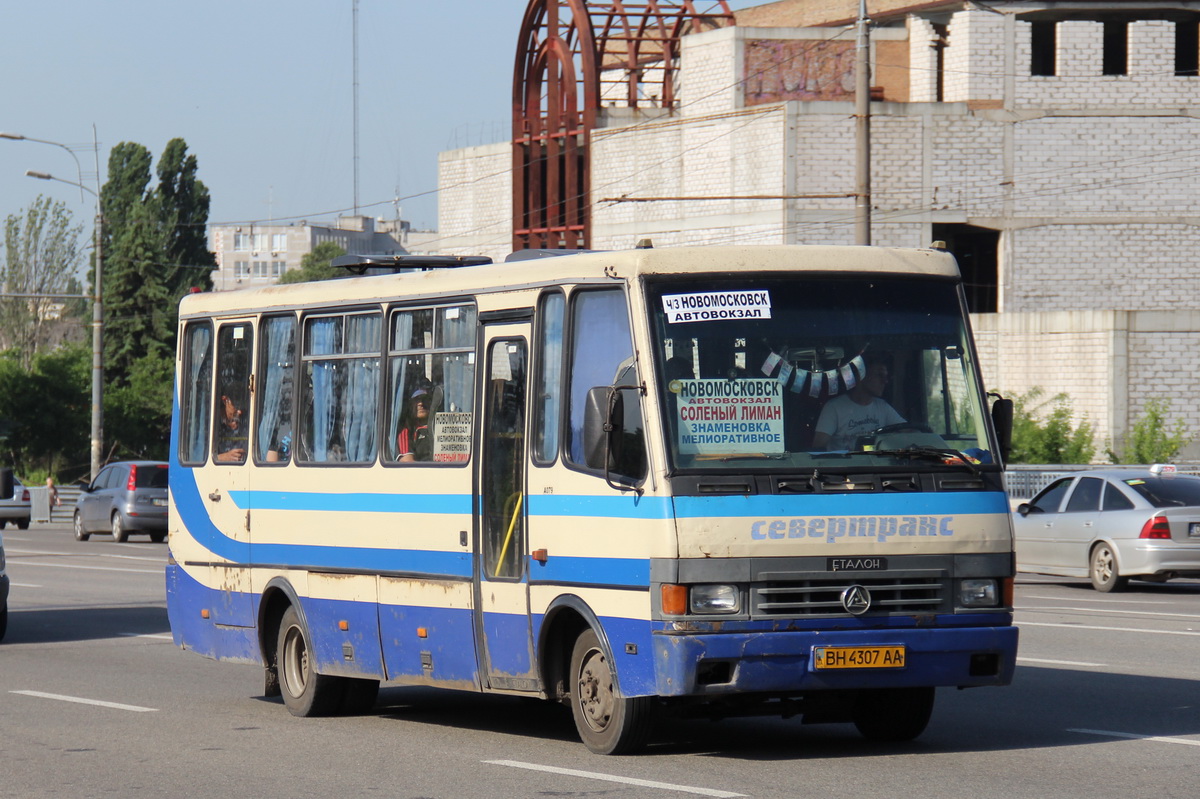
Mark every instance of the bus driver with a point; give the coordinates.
(858, 412)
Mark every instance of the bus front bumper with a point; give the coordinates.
(783, 662)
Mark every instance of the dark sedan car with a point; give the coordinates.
(126, 497)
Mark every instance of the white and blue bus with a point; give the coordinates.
(699, 480)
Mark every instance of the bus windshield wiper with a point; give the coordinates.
(950, 457)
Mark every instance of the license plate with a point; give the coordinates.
(858, 657)
(1194, 530)
(160, 502)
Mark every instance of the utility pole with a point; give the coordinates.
(862, 118)
(354, 51)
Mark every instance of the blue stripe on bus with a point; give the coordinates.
(906, 504)
(614, 506)
(627, 572)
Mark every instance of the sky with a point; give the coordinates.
(262, 92)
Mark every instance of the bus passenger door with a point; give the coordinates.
(224, 483)
(502, 577)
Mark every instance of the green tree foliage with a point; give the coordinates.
(316, 265)
(1153, 439)
(1043, 433)
(42, 252)
(45, 409)
(182, 201)
(137, 421)
(154, 251)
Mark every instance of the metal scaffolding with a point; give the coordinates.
(573, 58)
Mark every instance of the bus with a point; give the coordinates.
(701, 481)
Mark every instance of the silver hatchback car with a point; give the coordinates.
(15, 507)
(1112, 525)
(126, 497)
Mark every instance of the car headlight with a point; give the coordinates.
(715, 599)
(978, 593)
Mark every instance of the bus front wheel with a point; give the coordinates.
(305, 692)
(608, 723)
(893, 714)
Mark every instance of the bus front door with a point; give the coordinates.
(502, 576)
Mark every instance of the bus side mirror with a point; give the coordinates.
(6, 484)
(595, 422)
(1002, 421)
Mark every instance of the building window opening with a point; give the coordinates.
(1116, 47)
(1043, 42)
(940, 42)
(977, 251)
(1187, 49)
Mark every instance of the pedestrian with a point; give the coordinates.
(52, 490)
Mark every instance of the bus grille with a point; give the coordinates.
(823, 596)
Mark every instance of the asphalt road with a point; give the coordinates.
(95, 701)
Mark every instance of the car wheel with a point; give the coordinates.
(22, 524)
(608, 723)
(1103, 570)
(118, 528)
(3, 620)
(893, 714)
(305, 692)
(2, 523)
(158, 538)
(80, 533)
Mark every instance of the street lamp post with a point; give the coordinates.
(97, 434)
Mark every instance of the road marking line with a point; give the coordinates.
(1109, 610)
(1135, 737)
(591, 775)
(1103, 601)
(1089, 628)
(24, 585)
(160, 636)
(88, 568)
(43, 552)
(81, 701)
(1059, 662)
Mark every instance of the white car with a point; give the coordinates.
(16, 508)
(1112, 525)
(3, 592)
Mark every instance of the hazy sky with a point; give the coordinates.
(261, 91)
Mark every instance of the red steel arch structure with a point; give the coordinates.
(572, 56)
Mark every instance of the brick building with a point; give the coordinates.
(1054, 145)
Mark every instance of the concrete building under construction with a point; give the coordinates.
(1052, 145)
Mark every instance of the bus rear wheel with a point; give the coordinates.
(305, 692)
(608, 723)
(893, 714)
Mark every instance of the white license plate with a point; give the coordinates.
(162, 503)
(1194, 530)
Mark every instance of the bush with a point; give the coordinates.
(1041, 436)
(1149, 440)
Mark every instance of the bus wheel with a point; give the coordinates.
(608, 723)
(893, 714)
(305, 693)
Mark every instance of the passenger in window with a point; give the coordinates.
(231, 437)
(415, 440)
(859, 412)
(281, 447)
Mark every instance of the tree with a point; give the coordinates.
(1150, 441)
(1041, 436)
(316, 265)
(155, 250)
(45, 408)
(41, 255)
(137, 416)
(183, 202)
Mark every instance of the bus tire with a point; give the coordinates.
(305, 692)
(608, 723)
(893, 715)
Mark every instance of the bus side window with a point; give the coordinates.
(548, 403)
(341, 368)
(231, 424)
(602, 355)
(195, 390)
(277, 357)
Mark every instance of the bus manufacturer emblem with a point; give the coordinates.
(856, 600)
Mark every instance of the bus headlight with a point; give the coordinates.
(707, 599)
(978, 593)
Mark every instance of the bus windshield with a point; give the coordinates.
(819, 371)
